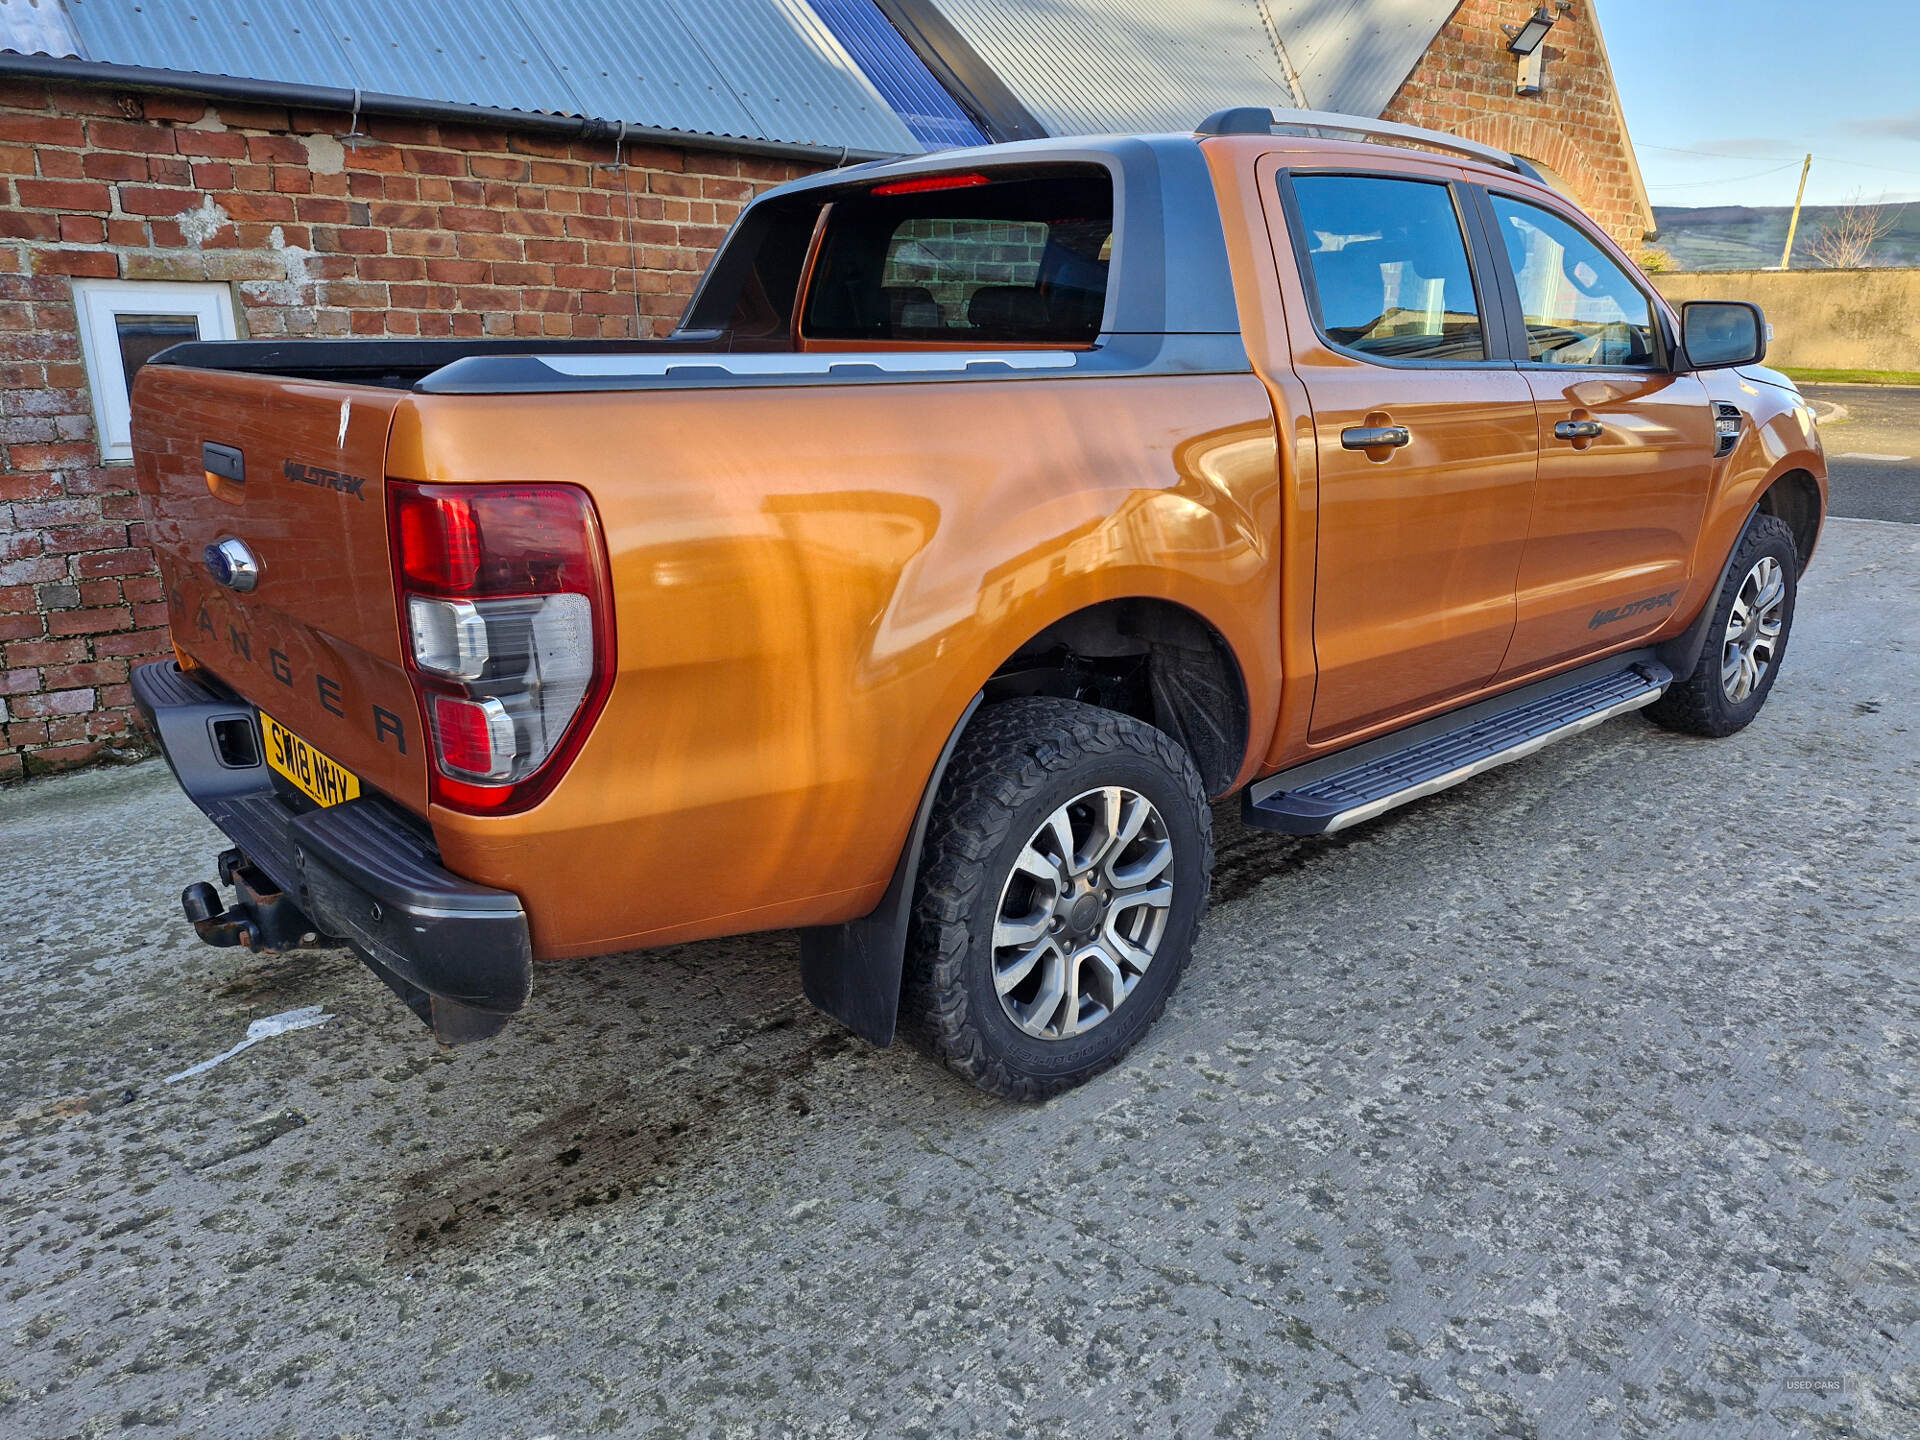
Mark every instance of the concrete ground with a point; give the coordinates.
(1583, 1100)
(1873, 449)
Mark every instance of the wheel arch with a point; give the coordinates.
(1795, 498)
(1146, 656)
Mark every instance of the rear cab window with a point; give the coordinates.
(966, 259)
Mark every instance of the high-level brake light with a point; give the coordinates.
(924, 183)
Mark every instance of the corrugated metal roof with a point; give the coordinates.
(1091, 66)
(37, 27)
(937, 120)
(1352, 56)
(755, 69)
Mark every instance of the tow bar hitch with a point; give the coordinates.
(260, 918)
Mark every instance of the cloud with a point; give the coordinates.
(1905, 126)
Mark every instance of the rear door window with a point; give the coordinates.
(966, 259)
(1388, 262)
(1579, 306)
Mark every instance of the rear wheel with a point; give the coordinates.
(1065, 876)
(1746, 638)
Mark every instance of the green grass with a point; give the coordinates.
(1854, 377)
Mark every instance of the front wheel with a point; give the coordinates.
(1065, 876)
(1746, 639)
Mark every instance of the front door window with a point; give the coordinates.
(1579, 306)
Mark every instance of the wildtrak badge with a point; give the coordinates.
(304, 474)
(1624, 612)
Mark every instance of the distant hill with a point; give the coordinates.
(1744, 237)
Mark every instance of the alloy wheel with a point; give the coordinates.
(1082, 912)
(1752, 641)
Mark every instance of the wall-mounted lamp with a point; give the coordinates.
(1528, 43)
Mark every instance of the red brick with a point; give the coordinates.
(56, 759)
(423, 242)
(216, 144)
(89, 622)
(106, 165)
(390, 267)
(95, 593)
(324, 210)
(126, 135)
(401, 217)
(275, 149)
(169, 170)
(490, 247)
(435, 162)
(28, 487)
(133, 643)
(173, 107)
(151, 200)
(244, 206)
(56, 702)
(22, 627)
(94, 264)
(458, 217)
(62, 195)
(97, 672)
(456, 272)
(48, 457)
(351, 242)
(42, 129)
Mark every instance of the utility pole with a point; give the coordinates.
(1786, 255)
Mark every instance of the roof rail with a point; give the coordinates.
(1258, 120)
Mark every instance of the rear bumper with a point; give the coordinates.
(460, 954)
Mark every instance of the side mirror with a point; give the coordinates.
(1719, 333)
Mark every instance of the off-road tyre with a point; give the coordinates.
(1017, 763)
(1698, 704)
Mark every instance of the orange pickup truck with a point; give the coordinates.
(990, 514)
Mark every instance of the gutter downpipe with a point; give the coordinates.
(327, 97)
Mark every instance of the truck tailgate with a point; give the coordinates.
(316, 643)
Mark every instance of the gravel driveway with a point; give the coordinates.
(1582, 1100)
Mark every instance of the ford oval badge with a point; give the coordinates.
(232, 564)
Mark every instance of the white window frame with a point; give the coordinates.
(96, 305)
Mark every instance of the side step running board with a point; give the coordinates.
(1345, 789)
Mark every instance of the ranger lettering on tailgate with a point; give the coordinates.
(388, 728)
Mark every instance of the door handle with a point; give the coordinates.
(1374, 437)
(1577, 430)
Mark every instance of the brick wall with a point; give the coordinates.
(423, 230)
(1465, 84)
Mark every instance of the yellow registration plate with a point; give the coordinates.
(319, 778)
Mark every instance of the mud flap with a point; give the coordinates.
(853, 970)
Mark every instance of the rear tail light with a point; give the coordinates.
(508, 622)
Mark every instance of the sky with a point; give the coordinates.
(1724, 97)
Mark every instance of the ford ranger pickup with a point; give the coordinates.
(990, 515)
